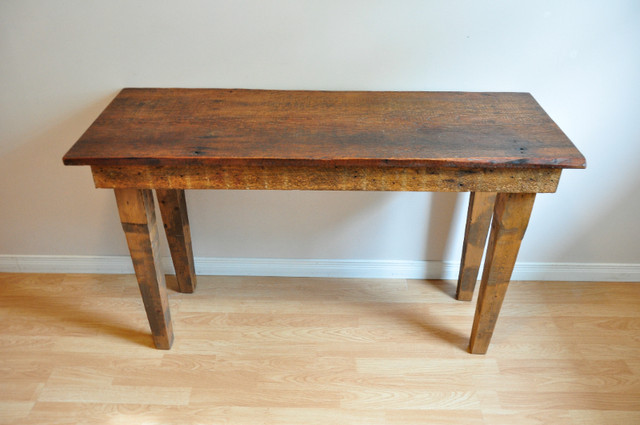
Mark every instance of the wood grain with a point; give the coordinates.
(510, 220)
(138, 217)
(327, 178)
(475, 236)
(316, 351)
(322, 128)
(173, 208)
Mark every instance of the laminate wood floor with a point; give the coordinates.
(76, 349)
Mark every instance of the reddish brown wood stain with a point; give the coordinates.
(321, 128)
(175, 139)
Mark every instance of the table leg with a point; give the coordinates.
(475, 236)
(510, 220)
(138, 218)
(173, 208)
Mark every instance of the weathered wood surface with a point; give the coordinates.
(138, 218)
(175, 139)
(475, 236)
(173, 208)
(321, 128)
(328, 178)
(510, 220)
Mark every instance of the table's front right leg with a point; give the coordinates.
(510, 219)
(137, 214)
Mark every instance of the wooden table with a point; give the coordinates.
(501, 147)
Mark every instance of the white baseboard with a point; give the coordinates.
(320, 268)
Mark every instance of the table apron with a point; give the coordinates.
(410, 179)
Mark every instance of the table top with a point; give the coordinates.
(324, 128)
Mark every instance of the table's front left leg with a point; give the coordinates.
(173, 208)
(510, 220)
(138, 218)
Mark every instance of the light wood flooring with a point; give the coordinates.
(76, 349)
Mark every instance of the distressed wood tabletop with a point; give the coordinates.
(324, 128)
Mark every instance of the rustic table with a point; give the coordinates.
(501, 147)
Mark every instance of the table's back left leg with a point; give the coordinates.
(173, 208)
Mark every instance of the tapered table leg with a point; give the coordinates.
(510, 220)
(173, 208)
(475, 236)
(138, 218)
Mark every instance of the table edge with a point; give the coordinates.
(480, 163)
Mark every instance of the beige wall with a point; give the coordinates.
(61, 62)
